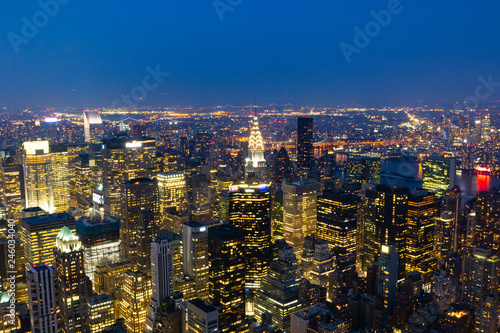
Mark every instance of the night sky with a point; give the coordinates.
(91, 52)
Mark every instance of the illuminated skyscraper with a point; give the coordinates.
(227, 276)
(486, 319)
(101, 313)
(305, 150)
(60, 178)
(299, 212)
(438, 175)
(13, 189)
(124, 160)
(140, 220)
(81, 194)
(43, 296)
(37, 166)
(250, 210)
(420, 254)
(38, 235)
(443, 238)
(92, 125)
(172, 192)
(385, 219)
(72, 293)
(255, 161)
(387, 278)
(487, 226)
(162, 278)
(337, 225)
(485, 128)
(195, 256)
(100, 237)
(322, 267)
(279, 291)
(136, 296)
(481, 276)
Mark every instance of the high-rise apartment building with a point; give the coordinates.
(337, 225)
(38, 234)
(250, 209)
(438, 174)
(387, 277)
(227, 276)
(123, 160)
(487, 226)
(139, 220)
(282, 168)
(305, 149)
(299, 212)
(43, 296)
(71, 282)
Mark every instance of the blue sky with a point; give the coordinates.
(92, 52)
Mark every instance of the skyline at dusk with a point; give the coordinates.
(88, 55)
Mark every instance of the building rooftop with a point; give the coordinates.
(66, 235)
(202, 305)
(49, 218)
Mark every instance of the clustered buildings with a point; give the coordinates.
(134, 232)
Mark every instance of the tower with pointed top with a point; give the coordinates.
(255, 161)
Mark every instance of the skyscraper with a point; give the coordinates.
(420, 254)
(299, 212)
(438, 174)
(387, 277)
(71, 282)
(279, 291)
(454, 204)
(60, 178)
(123, 160)
(43, 296)
(305, 150)
(195, 256)
(172, 192)
(100, 237)
(250, 210)
(255, 162)
(13, 189)
(38, 235)
(282, 168)
(487, 227)
(136, 296)
(92, 125)
(362, 168)
(140, 220)
(37, 166)
(162, 278)
(337, 225)
(227, 276)
(481, 276)
(385, 219)
(443, 237)
(101, 310)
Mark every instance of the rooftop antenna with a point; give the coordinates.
(255, 108)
